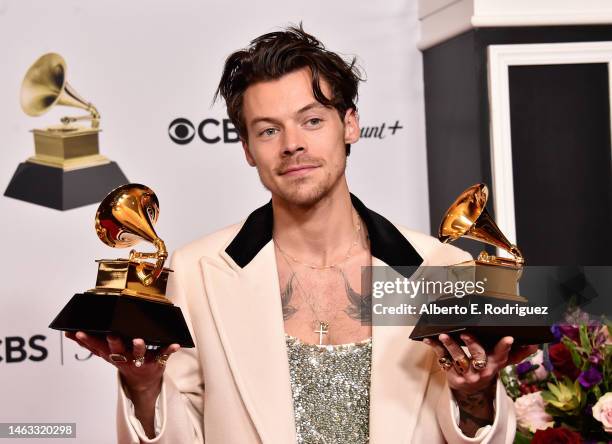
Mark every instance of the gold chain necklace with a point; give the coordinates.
(321, 325)
(347, 256)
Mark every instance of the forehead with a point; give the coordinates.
(282, 96)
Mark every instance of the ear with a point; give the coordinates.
(247, 154)
(351, 126)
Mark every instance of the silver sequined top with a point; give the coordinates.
(331, 391)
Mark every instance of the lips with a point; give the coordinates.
(298, 169)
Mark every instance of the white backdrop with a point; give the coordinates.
(143, 64)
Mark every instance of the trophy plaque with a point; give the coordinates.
(129, 297)
(67, 169)
(468, 217)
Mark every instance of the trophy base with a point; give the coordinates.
(120, 277)
(488, 329)
(63, 190)
(124, 316)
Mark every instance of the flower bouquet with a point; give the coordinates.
(563, 393)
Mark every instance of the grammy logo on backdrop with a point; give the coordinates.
(67, 169)
(129, 298)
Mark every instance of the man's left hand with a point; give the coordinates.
(478, 370)
(472, 377)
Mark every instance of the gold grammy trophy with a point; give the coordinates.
(67, 169)
(129, 298)
(468, 217)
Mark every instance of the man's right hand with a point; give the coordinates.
(142, 382)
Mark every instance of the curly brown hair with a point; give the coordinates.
(272, 55)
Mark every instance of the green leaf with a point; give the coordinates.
(521, 438)
(554, 390)
(584, 338)
(571, 346)
(547, 396)
(597, 392)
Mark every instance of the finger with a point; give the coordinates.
(520, 353)
(92, 343)
(453, 348)
(116, 347)
(437, 347)
(476, 350)
(461, 361)
(138, 347)
(72, 336)
(502, 350)
(166, 352)
(172, 348)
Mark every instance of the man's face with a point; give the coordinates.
(297, 144)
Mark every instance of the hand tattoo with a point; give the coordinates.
(475, 409)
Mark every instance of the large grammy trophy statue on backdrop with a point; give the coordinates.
(129, 298)
(468, 217)
(67, 170)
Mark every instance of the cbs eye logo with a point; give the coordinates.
(181, 131)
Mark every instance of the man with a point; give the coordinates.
(260, 295)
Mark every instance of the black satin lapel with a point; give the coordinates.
(386, 241)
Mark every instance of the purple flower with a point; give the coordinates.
(595, 357)
(560, 330)
(589, 378)
(523, 368)
(556, 332)
(593, 326)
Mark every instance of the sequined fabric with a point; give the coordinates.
(331, 391)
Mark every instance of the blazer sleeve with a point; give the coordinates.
(181, 401)
(502, 430)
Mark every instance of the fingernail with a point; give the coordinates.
(426, 341)
(80, 335)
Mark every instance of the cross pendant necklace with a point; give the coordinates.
(322, 330)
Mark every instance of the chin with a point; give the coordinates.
(301, 194)
(304, 197)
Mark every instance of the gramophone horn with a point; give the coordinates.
(45, 86)
(125, 217)
(468, 217)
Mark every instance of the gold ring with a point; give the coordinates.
(138, 362)
(445, 363)
(479, 364)
(462, 365)
(117, 357)
(162, 359)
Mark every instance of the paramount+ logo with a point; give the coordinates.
(211, 131)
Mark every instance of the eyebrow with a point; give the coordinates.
(302, 110)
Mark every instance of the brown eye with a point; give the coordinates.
(268, 132)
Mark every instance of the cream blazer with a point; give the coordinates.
(234, 387)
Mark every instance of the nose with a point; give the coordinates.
(292, 141)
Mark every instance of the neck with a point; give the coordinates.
(319, 234)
